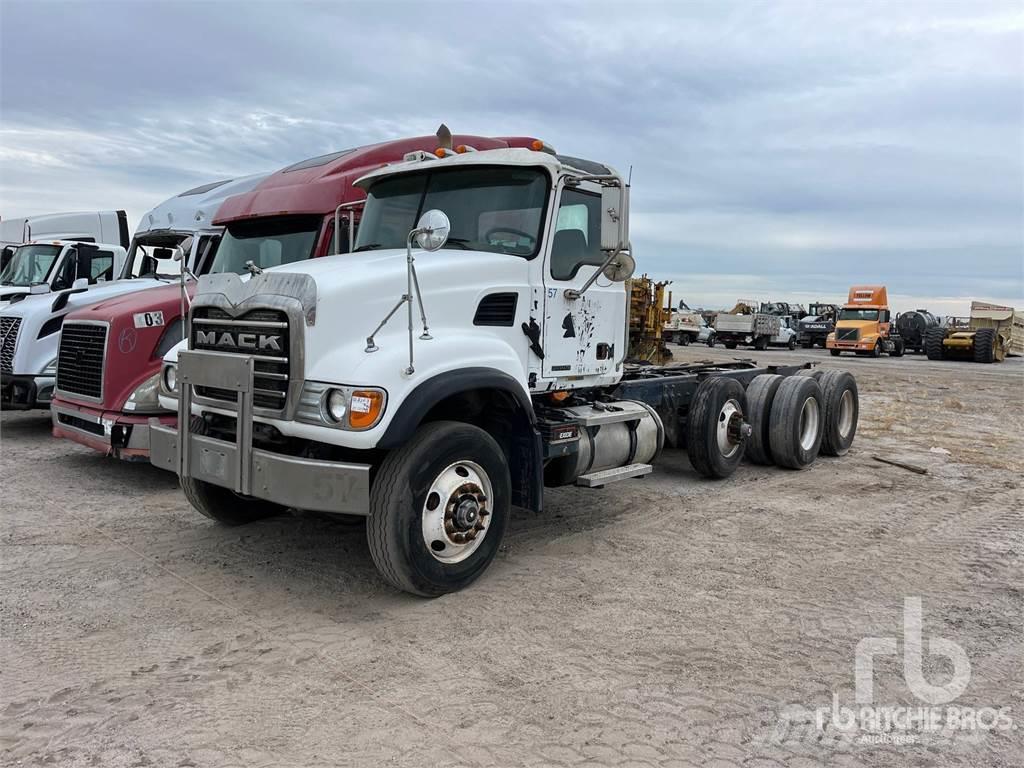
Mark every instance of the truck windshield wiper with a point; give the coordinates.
(461, 242)
(367, 247)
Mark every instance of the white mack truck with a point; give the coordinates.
(469, 352)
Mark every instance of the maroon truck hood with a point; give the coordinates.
(131, 352)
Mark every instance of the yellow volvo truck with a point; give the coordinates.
(864, 325)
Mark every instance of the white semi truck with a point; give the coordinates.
(468, 353)
(37, 250)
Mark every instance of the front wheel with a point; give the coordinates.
(792, 342)
(438, 509)
(224, 506)
(834, 352)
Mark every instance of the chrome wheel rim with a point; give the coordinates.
(845, 414)
(457, 512)
(727, 431)
(809, 419)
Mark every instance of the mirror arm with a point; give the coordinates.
(573, 293)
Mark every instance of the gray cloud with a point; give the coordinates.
(777, 148)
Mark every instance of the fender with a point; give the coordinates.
(437, 388)
(526, 458)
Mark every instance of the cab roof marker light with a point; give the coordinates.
(539, 146)
(417, 156)
(464, 148)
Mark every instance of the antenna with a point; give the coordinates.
(629, 179)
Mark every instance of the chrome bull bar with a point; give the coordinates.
(292, 481)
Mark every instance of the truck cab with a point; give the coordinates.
(80, 226)
(55, 265)
(864, 325)
(468, 352)
(307, 210)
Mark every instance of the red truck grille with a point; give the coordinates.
(80, 359)
(262, 333)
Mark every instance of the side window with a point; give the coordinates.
(577, 240)
(101, 266)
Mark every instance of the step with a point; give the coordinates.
(613, 475)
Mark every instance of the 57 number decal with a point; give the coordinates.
(148, 319)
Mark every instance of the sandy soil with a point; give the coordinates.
(668, 621)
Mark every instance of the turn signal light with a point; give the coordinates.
(537, 145)
(365, 408)
(440, 152)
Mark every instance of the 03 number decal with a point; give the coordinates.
(149, 319)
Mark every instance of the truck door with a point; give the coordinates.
(583, 336)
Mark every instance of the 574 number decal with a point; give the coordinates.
(148, 319)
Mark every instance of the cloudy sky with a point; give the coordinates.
(781, 150)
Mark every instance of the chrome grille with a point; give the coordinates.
(847, 334)
(80, 359)
(8, 341)
(215, 330)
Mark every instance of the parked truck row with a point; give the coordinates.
(421, 332)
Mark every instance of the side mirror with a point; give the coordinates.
(614, 217)
(621, 268)
(80, 284)
(178, 254)
(37, 288)
(432, 230)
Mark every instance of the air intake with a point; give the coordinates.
(497, 309)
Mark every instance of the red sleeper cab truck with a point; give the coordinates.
(106, 397)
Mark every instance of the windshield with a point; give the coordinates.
(858, 314)
(30, 264)
(496, 209)
(153, 256)
(266, 243)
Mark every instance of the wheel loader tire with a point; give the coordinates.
(933, 347)
(760, 394)
(796, 422)
(842, 412)
(224, 506)
(985, 345)
(718, 409)
(420, 481)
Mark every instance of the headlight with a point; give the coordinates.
(336, 405)
(170, 379)
(146, 396)
(51, 368)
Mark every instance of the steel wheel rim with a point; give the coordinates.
(726, 430)
(809, 419)
(845, 413)
(457, 512)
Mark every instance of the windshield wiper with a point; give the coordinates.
(368, 247)
(462, 242)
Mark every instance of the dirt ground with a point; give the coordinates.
(665, 621)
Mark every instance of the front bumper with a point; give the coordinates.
(25, 393)
(861, 345)
(124, 436)
(292, 481)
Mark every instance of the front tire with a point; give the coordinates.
(224, 506)
(933, 346)
(439, 507)
(792, 342)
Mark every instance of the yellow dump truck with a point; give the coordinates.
(992, 333)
